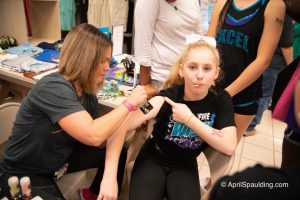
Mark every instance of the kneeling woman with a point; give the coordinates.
(58, 128)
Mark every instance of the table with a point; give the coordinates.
(18, 83)
(14, 82)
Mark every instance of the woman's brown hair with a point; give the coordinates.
(223, 14)
(82, 52)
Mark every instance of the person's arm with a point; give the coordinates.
(145, 79)
(224, 140)
(213, 26)
(297, 102)
(273, 23)
(109, 187)
(83, 128)
(145, 15)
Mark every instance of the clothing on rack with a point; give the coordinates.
(67, 10)
(108, 13)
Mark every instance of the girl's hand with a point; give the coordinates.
(181, 113)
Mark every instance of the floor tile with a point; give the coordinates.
(235, 167)
(264, 129)
(205, 160)
(278, 132)
(238, 150)
(279, 124)
(267, 118)
(258, 154)
(204, 173)
(277, 144)
(267, 114)
(200, 159)
(245, 163)
(261, 140)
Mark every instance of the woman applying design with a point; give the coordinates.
(58, 128)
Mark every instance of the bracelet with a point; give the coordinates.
(129, 105)
(189, 119)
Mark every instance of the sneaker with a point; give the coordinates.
(86, 194)
(250, 133)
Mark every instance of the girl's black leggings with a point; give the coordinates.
(154, 179)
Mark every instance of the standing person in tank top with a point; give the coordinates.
(247, 33)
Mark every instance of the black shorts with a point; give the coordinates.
(246, 108)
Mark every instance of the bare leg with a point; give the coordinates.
(242, 123)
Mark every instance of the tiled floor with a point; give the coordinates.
(263, 148)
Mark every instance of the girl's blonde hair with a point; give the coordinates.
(174, 78)
(82, 52)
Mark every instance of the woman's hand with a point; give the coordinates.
(181, 113)
(138, 96)
(151, 90)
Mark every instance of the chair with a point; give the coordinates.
(219, 163)
(8, 113)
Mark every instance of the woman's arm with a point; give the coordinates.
(145, 15)
(224, 140)
(136, 118)
(273, 23)
(83, 128)
(109, 187)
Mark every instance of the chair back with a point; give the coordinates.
(219, 163)
(8, 113)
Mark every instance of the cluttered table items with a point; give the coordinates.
(21, 67)
(120, 80)
(19, 64)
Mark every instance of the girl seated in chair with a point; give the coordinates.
(191, 113)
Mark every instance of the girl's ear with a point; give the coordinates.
(180, 70)
(217, 73)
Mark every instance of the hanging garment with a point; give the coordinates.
(67, 10)
(108, 13)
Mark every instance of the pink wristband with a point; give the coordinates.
(129, 105)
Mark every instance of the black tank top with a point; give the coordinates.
(238, 41)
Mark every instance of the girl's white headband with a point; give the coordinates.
(196, 37)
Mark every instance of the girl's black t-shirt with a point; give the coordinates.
(177, 141)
